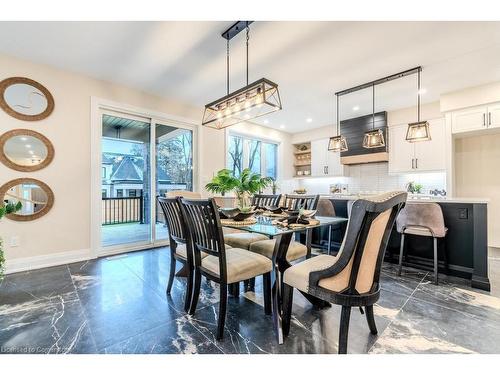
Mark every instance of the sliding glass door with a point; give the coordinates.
(141, 158)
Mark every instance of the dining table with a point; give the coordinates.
(283, 235)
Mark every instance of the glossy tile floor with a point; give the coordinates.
(118, 305)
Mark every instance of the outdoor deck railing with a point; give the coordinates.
(122, 210)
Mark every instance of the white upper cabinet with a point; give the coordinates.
(401, 152)
(424, 156)
(324, 162)
(494, 116)
(431, 155)
(319, 149)
(469, 119)
(476, 118)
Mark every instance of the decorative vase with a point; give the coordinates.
(242, 199)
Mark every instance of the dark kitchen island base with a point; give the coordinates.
(465, 246)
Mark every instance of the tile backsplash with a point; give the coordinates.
(373, 178)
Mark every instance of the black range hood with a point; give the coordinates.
(354, 130)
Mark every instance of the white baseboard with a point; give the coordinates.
(49, 260)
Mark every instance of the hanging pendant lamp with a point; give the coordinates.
(418, 131)
(254, 100)
(375, 137)
(338, 143)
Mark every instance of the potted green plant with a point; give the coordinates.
(222, 183)
(249, 183)
(5, 209)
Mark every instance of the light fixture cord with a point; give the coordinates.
(418, 96)
(248, 37)
(227, 67)
(373, 107)
(338, 109)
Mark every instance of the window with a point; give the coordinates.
(132, 193)
(260, 156)
(119, 193)
(104, 193)
(103, 173)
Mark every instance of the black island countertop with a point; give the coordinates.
(465, 245)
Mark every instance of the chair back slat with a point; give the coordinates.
(266, 200)
(203, 223)
(175, 223)
(296, 202)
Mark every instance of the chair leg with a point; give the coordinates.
(344, 329)
(401, 249)
(234, 289)
(435, 261)
(222, 311)
(171, 275)
(266, 285)
(196, 291)
(189, 289)
(287, 308)
(370, 318)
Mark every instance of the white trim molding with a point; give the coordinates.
(48, 260)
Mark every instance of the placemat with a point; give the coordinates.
(248, 221)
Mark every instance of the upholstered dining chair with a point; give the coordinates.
(221, 266)
(422, 219)
(266, 200)
(351, 278)
(180, 245)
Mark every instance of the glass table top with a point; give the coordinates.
(265, 226)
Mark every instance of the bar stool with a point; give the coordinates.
(421, 219)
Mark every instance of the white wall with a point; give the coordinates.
(471, 96)
(64, 233)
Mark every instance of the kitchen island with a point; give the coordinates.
(465, 245)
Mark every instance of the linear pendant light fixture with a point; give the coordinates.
(254, 100)
(418, 131)
(375, 137)
(338, 143)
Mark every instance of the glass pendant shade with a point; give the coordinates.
(418, 131)
(374, 139)
(337, 144)
(254, 100)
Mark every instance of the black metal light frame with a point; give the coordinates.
(254, 100)
(338, 143)
(418, 131)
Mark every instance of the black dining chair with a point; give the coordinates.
(266, 200)
(180, 245)
(221, 266)
(350, 279)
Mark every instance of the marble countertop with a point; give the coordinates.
(413, 198)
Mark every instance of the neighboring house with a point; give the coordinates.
(123, 175)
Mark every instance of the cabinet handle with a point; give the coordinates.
(484, 119)
(416, 163)
(327, 169)
(489, 118)
(412, 163)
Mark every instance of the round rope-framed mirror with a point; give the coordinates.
(25, 99)
(35, 196)
(25, 150)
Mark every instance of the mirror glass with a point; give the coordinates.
(25, 99)
(25, 150)
(32, 197)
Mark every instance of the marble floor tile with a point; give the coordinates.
(117, 303)
(38, 284)
(176, 337)
(423, 327)
(49, 325)
(405, 284)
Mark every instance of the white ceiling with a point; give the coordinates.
(309, 60)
